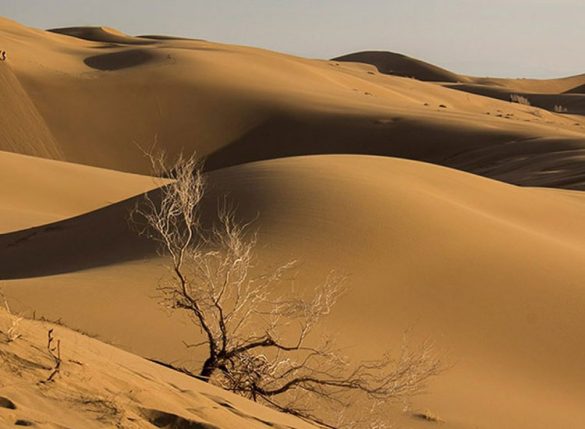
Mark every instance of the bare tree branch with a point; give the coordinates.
(246, 317)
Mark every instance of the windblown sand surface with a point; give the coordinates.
(491, 271)
(37, 191)
(99, 386)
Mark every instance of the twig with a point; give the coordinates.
(54, 349)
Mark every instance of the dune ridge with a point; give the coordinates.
(245, 104)
(100, 34)
(38, 191)
(393, 63)
(565, 93)
(388, 179)
(450, 254)
(401, 65)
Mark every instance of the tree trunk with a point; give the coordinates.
(209, 367)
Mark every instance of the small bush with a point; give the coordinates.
(12, 333)
(517, 98)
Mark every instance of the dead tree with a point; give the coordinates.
(256, 328)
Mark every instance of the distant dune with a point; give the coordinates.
(22, 129)
(244, 104)
(543, 93)
(344, 165)
(401, 65)
(395, 64)
(101, 34)
(577, 90)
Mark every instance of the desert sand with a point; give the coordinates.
(456, 214)
(39, 191)
(153, 396)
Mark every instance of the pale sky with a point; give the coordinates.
(514, 38)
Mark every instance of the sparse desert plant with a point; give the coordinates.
(560, 109)
(428, 416)
(256, 327)
(105, 410)
(12, 332)
(54, 350)
(517, 98)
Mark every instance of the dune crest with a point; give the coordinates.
(401, 65)
(235, 104)
(562, 95)
(101, 34)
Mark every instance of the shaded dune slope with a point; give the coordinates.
(105, 234)
(577, 90)
(236, 104)
(119, 60)
(522, 159)
(449, 254)
(401, 65)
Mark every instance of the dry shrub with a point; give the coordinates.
(259, 333)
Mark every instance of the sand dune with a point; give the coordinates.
(577, 90)
(37, 191)
(237, 104)
(22, 129)
(542, 86)
(401, 65)
(571, 103)
(450, 255)
(392, 63)
(491, 271)
(100, 386)
(543, 93)
(101, 34)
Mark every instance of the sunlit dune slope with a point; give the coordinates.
(22, 128)
(100, 34)
(99, 386)
(491, 271)
(37, 191)
(235, 104)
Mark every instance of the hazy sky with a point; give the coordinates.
(529, 38)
